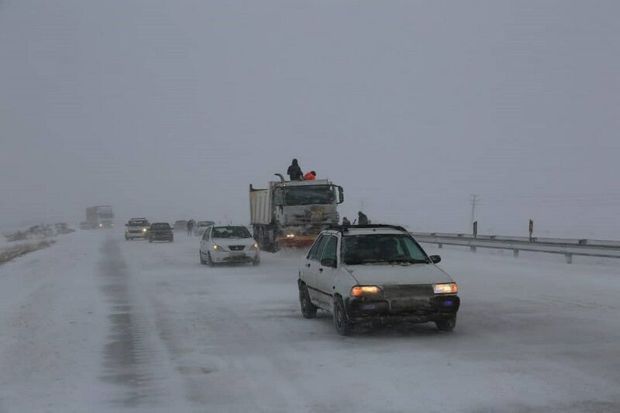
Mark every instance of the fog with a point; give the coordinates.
(170, 109)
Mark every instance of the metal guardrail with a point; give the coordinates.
(566, 247)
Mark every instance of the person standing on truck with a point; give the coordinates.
(310, 176)
(362, 219)
(294, 171)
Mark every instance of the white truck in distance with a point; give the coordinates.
(293, 213)
(100, 216)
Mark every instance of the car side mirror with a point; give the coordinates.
(435, 259)
(328, 262)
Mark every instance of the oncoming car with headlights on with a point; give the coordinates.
(375, 274)
(228, 244)
(137, 228)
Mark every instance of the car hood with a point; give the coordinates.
(234, 241)
(398, 274)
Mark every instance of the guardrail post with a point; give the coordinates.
(515, 253)
(569, 258)
(440, 245)
(472, 248)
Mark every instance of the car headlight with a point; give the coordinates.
(364, 290)
(445, 288)
(143, 229)
(254, 246)
(216, 247)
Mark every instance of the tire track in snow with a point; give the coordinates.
(133, 358)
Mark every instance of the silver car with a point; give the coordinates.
(371, 274)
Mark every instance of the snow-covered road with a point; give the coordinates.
(95, 323)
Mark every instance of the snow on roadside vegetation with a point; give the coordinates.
(17, 243)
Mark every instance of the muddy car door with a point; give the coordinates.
(311, 267)
(327, 268)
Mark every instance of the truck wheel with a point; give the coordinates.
(447, 324)
(308, 310)
(341, 320)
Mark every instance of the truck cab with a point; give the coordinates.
(293, 213)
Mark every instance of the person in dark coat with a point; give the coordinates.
(362, 219)
(346, 222)
(294, 171)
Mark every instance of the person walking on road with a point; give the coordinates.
(294, 171)
(190, 227)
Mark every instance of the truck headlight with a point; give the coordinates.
(364, 290)
(445, 288)
(143, 229)
(289, 236)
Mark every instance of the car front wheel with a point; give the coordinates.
(341, 320)
(308, 310)
(202, 261)
(447, 324)
(210, 262)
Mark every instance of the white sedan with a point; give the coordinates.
(228, 244)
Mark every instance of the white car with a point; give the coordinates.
(375, 274)
(137, 228)
(228, 244)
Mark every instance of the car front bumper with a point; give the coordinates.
(161, 237)
(413, 310)
(140, 234)
(238, 257)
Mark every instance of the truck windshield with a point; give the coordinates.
(308, 195)
(388, 248)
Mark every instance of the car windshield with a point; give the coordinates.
(307, 195)
(161, 226)
(231, 232)
(381, 248)
(137, 223)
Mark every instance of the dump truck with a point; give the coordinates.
(293, 213)
(100, 216)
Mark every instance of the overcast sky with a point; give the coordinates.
(170, 109)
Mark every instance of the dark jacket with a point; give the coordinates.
(362, 219)
(294, 171)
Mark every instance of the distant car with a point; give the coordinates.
(137, 228)
(228, 244)
(160, 231)
(201, 227)
(370, 274)
(180, 225)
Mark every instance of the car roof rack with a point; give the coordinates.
(345, 228)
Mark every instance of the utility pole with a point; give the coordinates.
(474, 201)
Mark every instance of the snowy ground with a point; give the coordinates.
(96, 323)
